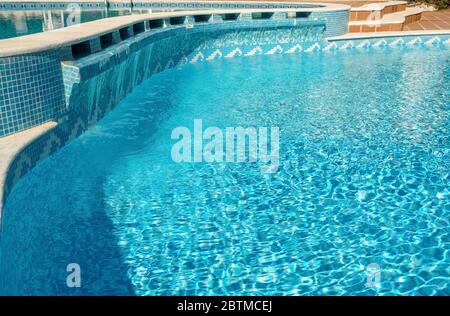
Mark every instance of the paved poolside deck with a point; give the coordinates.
(436, 20)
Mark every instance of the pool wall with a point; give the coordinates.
(95, 73)
(95, 84)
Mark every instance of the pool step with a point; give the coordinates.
(362, 13)
(381, 20)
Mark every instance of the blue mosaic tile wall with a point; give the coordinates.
(206, 54)
(336, 21)
(152, 52)
(95, 84)
(31, 91)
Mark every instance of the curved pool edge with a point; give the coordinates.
(11, 148)
(43, 140)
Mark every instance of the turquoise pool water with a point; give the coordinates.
(364, 179)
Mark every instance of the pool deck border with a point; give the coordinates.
(10, 148)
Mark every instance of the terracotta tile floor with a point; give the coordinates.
(438, 20)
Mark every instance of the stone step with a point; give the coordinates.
(387, 22)
(378, 10)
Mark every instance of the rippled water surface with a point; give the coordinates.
(364, 179)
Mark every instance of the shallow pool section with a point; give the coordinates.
(364, 181)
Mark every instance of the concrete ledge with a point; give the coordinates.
(10, 148)
(398, 17)
(389, 22)
(376, 9)
(378, 5)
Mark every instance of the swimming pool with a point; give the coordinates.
(363, 179)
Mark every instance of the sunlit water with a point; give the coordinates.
(364, 179)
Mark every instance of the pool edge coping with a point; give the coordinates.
(11, 146)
